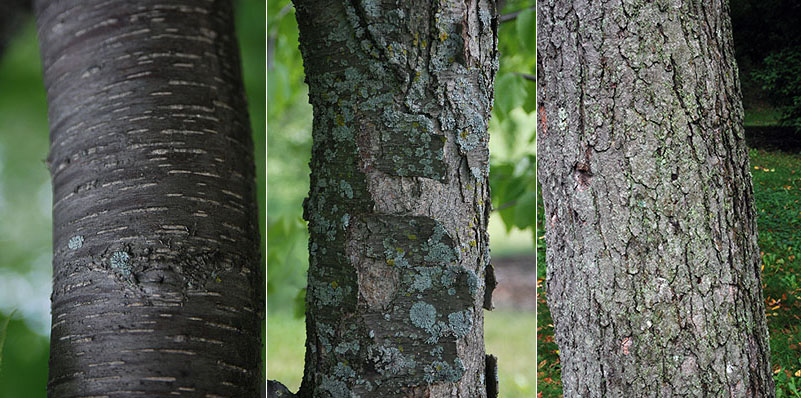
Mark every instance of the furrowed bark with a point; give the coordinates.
(653, 266)
(399, 197)
(156, 270)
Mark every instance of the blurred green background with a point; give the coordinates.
(510, 329)
(25, 195)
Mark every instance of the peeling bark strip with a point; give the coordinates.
(399, 196)
(156, 252)
(653, 266)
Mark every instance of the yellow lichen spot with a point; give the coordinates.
(340, 120)
(443, 36)
(400, 348)
(415, 124)
(463, 134)
(390, 262)
(439, 367)
(411, 237)
(334, 284)
(425, 44)
(416, 37)
(399, 250)
(473, 243)
(218, 280)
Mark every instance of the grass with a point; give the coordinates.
(777, 192)
(508, 335)
(762, 115)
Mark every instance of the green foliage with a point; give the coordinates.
(3, 329)
(781, 76)
(514, 194)
(777, 193)
(526, 27)
(25, 356)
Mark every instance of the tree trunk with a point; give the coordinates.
(399, 196)
(156, 271)
(653, 266)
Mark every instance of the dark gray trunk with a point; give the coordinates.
(653, 266)
(399, 197)
(156, 271)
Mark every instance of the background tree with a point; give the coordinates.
(17, 121)
(399, 197)
(767, 42)
(653, 266)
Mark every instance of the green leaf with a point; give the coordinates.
(525, 209)
(3, 330)
(300, 304)
(525, 24)
(510, 92)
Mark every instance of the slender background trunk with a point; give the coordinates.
(399, 197)
(653, 266)
(156, 279)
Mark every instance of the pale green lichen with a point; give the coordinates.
(344, 347)
(344, 371)
(423, 315)
(346, 189)
(461, 322)
(443, 371)
(336, 388)
(76, 242)
(390, 360)
(121, 260)
(329, 294)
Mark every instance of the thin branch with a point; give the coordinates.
(527, 76)
(506, 205)
(513, 16)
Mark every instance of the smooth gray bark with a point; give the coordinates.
(399, 197)
(156, 268)
(653, 266)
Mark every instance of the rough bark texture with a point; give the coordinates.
(653, 266)
(156, 271)
(399, 197)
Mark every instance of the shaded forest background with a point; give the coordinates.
(25, 195)
(767, 40)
